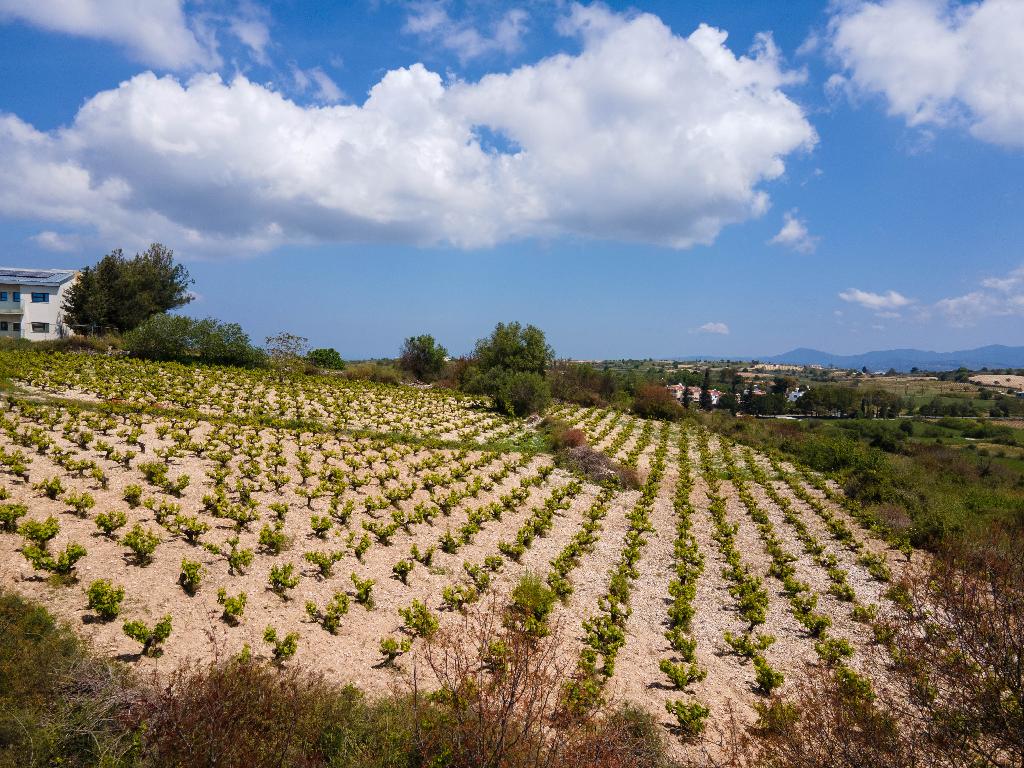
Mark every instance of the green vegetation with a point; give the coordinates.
(105, 599)
(510, 367)
(422, 357)
(119, 294)
(150, 637)
(898, 477)
(185, 339)
(328, 359)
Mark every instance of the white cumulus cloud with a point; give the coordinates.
(937, 62)
(719, 328)
(794, 234)
(996, 297)
(887, 302)
(643, 135)
(155, 32)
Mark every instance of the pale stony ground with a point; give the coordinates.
(1011, 381)
(352, 654)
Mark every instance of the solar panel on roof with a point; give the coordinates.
(26, 274)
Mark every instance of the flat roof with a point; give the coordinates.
(19, 276)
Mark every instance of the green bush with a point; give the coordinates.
(282, 578)
(234, 607)
(531, 605)
(110, 522)
(185, 339)
(418, 620)
(105, 599)
(150, 637)
(510, 367)
(44, 721)
(282, 648)
(326, 358)
(423, 357)
(690, 716)
(9, 516)
(142, 543)
(191, 575)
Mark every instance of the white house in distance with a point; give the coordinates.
(31, 302)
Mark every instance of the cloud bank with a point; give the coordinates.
(155, 32)
(937, 62)
(644, 136)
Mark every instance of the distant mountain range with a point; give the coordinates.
(992, 356)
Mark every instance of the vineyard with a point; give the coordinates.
(176, 512)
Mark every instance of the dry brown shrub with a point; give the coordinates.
(236, 714)
(500, 694)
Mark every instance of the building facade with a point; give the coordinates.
(31, 303)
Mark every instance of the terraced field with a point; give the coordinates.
(350, 517)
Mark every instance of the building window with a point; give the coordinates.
(16, 327)
(40, 327)
(17, 296)
(40, 298)
(3, 295)
(3, 325)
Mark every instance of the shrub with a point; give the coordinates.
(81, 503)
(364, 591)
(330, 618)
(62, 564)
(326, 358)
(238, 559)
(111, 522)
(423, 357)
(150, 637)
(418, 620)
(321, 525)
(690, 716)
(105, 599)
(377, 372)
(282, 648)
(519, 393)
(234, 607)
(142, 543)
(133, 495)
(324, 561)
(60, 704)
(767, 678)
(391, 648)
(509, 366)
(282, 578)
(273, 538)
(51, 487)
(191, 527)
(531, 605)
(653, 401)
(9, 516)
(185, 339)
(191, 575)
(40, 532)
(402, 569)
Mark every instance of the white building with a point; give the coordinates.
(31, 302)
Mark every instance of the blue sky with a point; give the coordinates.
(844, 175)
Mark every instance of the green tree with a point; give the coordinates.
(705, 391)
(510, 366)
(515, 348)
(327, 358)
(119, 293)
(422, 356)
